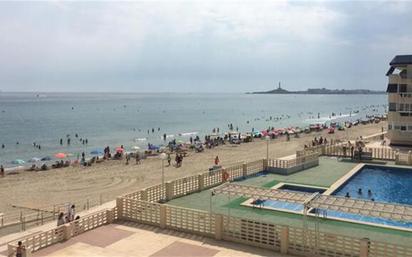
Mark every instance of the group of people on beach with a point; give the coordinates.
(69, 217)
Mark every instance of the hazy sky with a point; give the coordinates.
(190, 46)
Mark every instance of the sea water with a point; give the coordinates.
(114, 119)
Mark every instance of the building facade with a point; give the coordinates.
(400, 100)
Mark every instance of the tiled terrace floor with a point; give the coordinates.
(132, 239)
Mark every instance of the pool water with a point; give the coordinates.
(291, 206)
(392, 185)
(387, 184)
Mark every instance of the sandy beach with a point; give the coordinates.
(107, 180)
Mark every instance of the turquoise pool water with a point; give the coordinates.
(386, 184)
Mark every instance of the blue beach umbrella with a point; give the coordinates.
(18, 161)
(96, 152)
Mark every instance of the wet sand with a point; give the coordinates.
(110, 179)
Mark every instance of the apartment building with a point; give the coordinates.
(400, 100)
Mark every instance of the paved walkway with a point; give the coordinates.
(132, 239)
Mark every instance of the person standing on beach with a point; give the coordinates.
(1, 171)
(217, 160)
(169, 159)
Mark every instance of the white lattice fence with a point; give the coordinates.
(380, 249)
(156, 193)
(254, 167)
(44, 239)
(137, 195)
(190, 220)
(185, 186)
(140, 211)
(235, 171)
(212, 178)
(334, 245)
(251, 232)
(90, 222)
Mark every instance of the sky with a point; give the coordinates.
(199, 45)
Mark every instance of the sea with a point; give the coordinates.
(114, 119)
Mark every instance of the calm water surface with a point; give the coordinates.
(114, 119)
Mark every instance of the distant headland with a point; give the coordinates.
(321, 91)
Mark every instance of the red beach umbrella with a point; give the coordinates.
(119, 149)
(60, 155)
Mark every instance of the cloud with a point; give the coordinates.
(123, 43)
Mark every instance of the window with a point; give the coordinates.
(397, 127)
(392, 88)
(402, 88)
(410, 128)
(389, 126)
(392, 107)
(404, 114)
(403, 128)
(401, 107)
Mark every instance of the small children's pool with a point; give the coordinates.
(291, 206)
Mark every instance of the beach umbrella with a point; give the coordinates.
(46, 158)
(35, 159)
(119, 150)
(60, 155)
(135, 147)
(96, 152)
(18, 161)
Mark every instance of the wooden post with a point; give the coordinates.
(364, 247)
(119, 205)
(244, 169)
(284, 240)
(200, 182)
(163, 215)
(218, 227)
(169, 190)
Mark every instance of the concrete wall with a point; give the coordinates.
(291, 170)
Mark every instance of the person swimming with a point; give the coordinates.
(347, 195)
(360, 191)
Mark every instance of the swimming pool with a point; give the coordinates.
(386, 184)
(291, 207)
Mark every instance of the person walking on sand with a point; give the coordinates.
(217, 160)
(1, 171)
